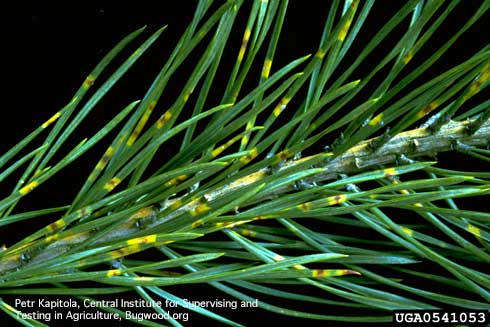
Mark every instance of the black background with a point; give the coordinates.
(49, 47)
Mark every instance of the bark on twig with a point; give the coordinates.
(411, 144)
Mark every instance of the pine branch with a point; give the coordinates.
(404, 146)
(239, 163)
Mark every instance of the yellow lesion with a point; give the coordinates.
(105, 158)
(336, 199)
(262, 217)
(345, 28)
(304, 206)
(245, 138)
(299, 267)
(250, 156)
(52, 238)
(390, 172)
(316, 273)
(246, 35)
(247, 180)
(188, 95)
(163, 119)
(248, 232)
(197, 223)
(283, 155)
(278, 257)
(376, 120)
(176, 205)
(243, 47)
(427, 109)
(231, 224)
(89, 81)
(476, 86)
(402, 191)
(176, 180)
(114, 272)
(320, 53)
(144, 212)
(343, 31)
(216, 152)
(474, 230)
(148, 239)
(474, 89)
(407, 231)
(266, 70)
(144, 278)
(281, 106)
(407, 57)
(200, 209)
(125, 251)
(51, 120)
(141, 124)
(8, 307)
(60, 223)
(485, 74)
(92, 176)
(83, 212)
(110, 185)
(28, 188)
